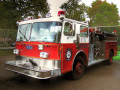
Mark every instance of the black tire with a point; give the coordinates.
(110, 60)
(78, 68)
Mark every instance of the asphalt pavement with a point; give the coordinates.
(96, 77)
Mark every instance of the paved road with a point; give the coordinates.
(97, 77)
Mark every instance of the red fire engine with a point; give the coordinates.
(50, 47)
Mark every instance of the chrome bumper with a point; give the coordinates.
(35, 72)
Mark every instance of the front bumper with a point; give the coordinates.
(39, 72)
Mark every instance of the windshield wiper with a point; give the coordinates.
(23, 35)
(22, 43)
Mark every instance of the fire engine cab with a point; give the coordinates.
(50, 47)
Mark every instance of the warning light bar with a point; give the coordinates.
(61, 13)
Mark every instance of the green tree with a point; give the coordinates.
(74, 10)
(5, 18)
(15, 10)
(103, 14)
(27, 7)
(12, 11)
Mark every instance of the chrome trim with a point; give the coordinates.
(40, 62)
(95, 62)
(38, 68)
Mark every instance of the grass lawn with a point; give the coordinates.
(118, 54)
(117, 57)
(4, 52)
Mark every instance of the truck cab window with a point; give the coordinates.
(68, 30)
(83, 31)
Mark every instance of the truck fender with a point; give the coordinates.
(83, 55)
(112, 51)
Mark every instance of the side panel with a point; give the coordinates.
(110, 46)
(68, 54)
(51, 48)
(99, 50)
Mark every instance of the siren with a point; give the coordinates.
(61, 13)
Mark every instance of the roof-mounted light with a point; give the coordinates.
(61, 13)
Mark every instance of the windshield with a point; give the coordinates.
(46, 32)
(24, 32)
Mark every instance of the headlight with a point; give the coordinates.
(40, 47)
(16, 51)
(43, 54)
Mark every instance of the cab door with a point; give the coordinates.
(69, 48)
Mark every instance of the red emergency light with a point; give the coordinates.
(61, 13)
(91, 30)
(115, 31)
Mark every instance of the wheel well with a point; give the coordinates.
(83, 55)
(112, 51)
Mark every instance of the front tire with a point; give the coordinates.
(78, 68)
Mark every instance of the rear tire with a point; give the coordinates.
(109, 61)
(78, 68)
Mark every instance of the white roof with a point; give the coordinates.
(40, 20)
(51, 19)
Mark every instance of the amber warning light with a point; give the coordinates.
(61, 13)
